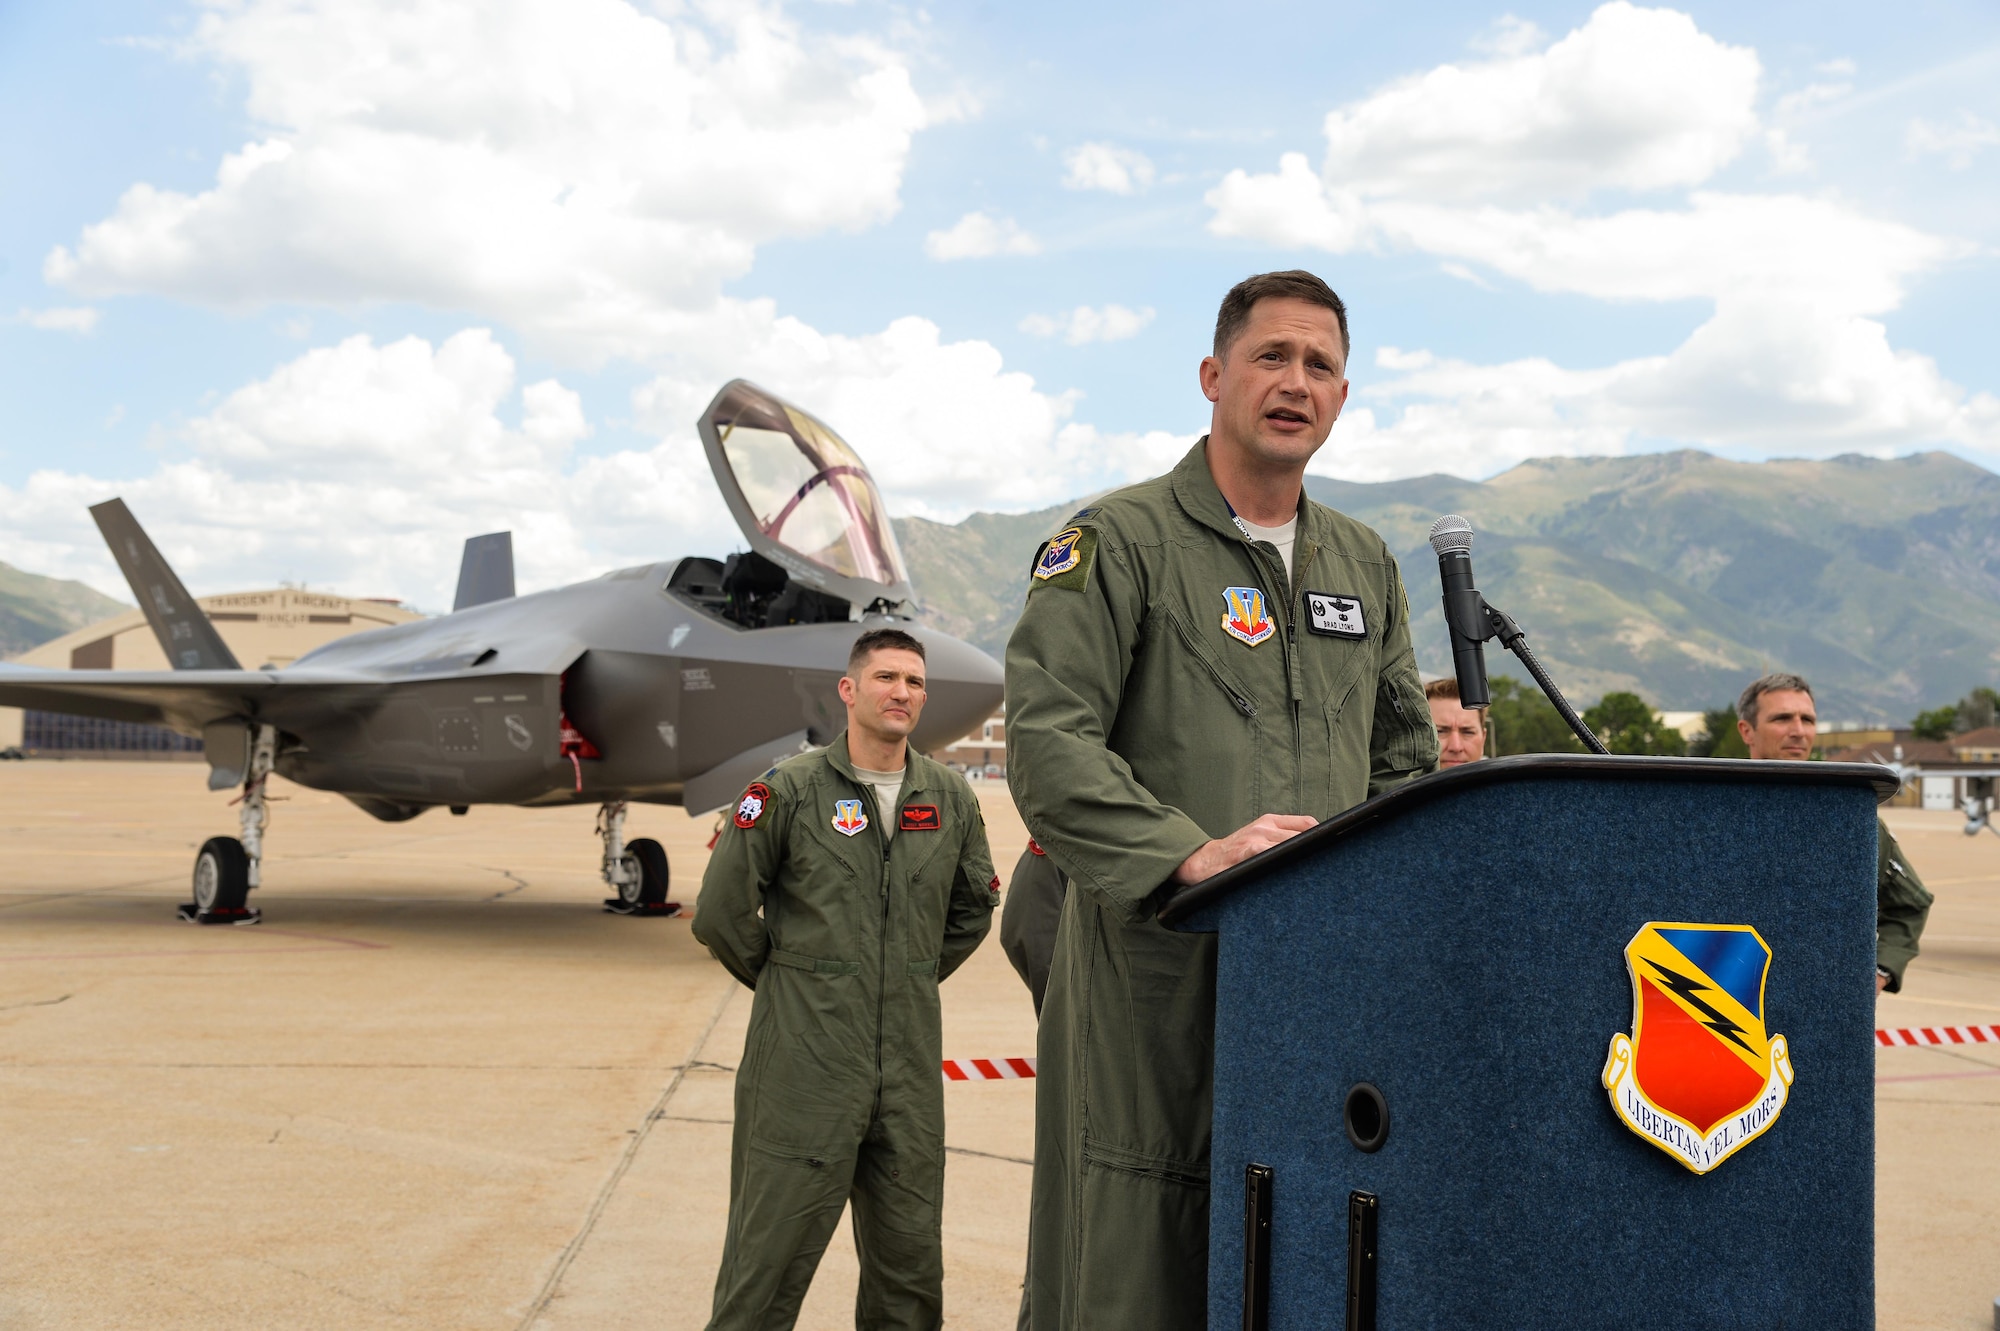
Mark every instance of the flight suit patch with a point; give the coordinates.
(751, 807)
(1246, 619)
(1065, 560)
(849, 819)
(920, 818)
(1336, 615)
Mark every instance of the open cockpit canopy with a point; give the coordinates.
(802, 497)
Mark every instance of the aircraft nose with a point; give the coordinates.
(963, 686)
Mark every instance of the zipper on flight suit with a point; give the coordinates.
(1290, 642)
(867, 793)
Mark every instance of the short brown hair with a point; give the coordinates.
(882, 640)
(1442, 688)
(1292, 284)
(1779, 682)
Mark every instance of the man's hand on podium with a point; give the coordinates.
(1241, 844)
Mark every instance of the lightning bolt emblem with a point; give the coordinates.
(1685, 987)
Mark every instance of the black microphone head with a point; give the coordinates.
(1451, 532)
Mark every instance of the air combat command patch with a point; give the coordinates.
(1065, 560)
(1698, 1077)
(1246, 619)
(848, 817)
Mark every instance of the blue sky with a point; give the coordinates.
(474, 274)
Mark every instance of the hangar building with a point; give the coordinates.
(267, 628)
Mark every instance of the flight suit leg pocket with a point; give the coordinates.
(1130, 1204)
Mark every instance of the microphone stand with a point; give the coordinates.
(1493, 623)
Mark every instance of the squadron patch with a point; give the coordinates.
(1698, 1077)
(849, 818)
(919, 818)
(1335, 614)
(751, 807)
(1065, 560)
(1246, 618)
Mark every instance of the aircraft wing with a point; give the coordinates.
(183, 700)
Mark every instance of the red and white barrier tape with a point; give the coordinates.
(1010, 1069)
(988, 1069)
(1940, 1035)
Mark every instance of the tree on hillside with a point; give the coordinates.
(1523, 721)
(1722, 739)
(1628, 724)
(1975, 711)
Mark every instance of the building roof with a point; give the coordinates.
(273, 627)
(1986, 737)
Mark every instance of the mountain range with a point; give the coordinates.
(1679, 576)
(34, 609)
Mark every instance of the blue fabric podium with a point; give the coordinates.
(1460, 946)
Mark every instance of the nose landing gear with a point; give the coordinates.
(226, 868)
(636, 869)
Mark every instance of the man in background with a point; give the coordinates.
(1461, 730)
(1777, 720)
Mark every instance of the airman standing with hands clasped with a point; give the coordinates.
(1208, 664)
(849, 882)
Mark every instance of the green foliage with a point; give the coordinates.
(1975, 711)
(1627, 723)
(1937, 723)
(1523, 721)
(1723, 739)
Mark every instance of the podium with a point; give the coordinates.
(1422, 1118)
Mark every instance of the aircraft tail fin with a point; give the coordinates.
(486, 573)
(186, 636)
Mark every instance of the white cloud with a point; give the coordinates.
(1107, 167)
(1109, 323)
(1958, 144)
(1510, 35)
(1491, 168)
(977, 236)
(585, 171)
(60, 318)
(1633, 99)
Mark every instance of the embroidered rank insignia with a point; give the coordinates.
(751, 807)
(1061, 554)
(919, 818)
(848, 817)
(1336, 615)
(1246, 619)
(1698, 1077)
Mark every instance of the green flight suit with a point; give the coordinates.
(1148, 712)
(1902, 904)
(844, 935)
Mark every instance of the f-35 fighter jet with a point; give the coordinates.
(669, 683)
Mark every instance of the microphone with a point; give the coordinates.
(1465, 611)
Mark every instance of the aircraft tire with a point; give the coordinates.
(221, 875)
(651, 887)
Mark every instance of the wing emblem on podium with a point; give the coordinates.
(1699, 1076)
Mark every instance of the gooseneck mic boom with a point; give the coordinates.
(1472, 622)
(1464, 608)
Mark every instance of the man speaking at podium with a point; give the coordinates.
(1208, 664)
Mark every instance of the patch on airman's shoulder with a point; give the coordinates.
(751, 807)
(1065, 560)
(1081, 515)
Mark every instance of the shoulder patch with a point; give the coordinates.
(751, 807)
(1065, 560)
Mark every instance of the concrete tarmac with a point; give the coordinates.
(441, 1088)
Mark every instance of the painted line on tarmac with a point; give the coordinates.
(323, 943)
(1939, 1076)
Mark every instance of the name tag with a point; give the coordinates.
(1335, 615)
(919, 818)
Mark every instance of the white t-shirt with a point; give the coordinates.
(888, 795)
(1282, 537)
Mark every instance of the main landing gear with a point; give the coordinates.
(227, 868)
(636, 870)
